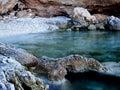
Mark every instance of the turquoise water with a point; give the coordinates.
(101, 45)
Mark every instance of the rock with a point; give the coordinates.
(25, 13)
(63, 26)
(1, 17)
(80, 13)
(14, 76)
(100, 17)
(48, 8)
(82, 19)
(114, 66)
(20, 55)
(79, 24)
(113, 23)
(7, 5)
(57, 68)
(92, 27)
(100, 26)
(30, 25)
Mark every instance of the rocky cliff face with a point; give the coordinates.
(49, 8)
(65, 7)
(7, 5)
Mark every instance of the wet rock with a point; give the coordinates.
(57, 68)
(7, 5)
(114, 66)
(14, 76)
(113, 23)
(92, 27)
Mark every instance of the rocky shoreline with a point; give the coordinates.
(18, 68)
(23, 16)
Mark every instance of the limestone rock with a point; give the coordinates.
(100, 26)
(113, 23)
(14, 76)
(25, 13)
(20, 55)
(7, 5)
(57, 68)
(100, 17)
(92, 27)
(1, 17)
(48, 8)
(80, 13)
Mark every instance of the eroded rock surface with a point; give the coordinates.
(20, 55)
(113, 23)
(57, 68)
(48, 8)
(14, 76)
(7, 5)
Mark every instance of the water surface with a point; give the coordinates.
(101, 45)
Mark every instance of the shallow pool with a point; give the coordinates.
(101, 45)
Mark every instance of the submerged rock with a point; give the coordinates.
(113, 23)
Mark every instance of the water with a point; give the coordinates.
(101, 45)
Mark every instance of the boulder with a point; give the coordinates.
(113, 23)
(80, 13)
(7, 5)
(48, 8)
(58, 68)
(92, 27)
(100, 26)
(18, 54)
